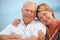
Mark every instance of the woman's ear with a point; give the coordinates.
(52, 14)
(35, 14)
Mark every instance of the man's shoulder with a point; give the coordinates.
(10, 26)
(39, 23)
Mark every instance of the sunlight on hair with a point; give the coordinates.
(31, 0)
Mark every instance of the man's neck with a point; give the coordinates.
(26, 24)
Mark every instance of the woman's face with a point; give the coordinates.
(45, 17)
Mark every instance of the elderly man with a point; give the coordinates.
(28, 28)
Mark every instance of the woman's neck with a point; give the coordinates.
(52, 26)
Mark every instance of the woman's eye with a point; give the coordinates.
(40, 17)
(44, 14)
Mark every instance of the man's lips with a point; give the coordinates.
(28, 16)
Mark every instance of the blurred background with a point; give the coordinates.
(11, 9)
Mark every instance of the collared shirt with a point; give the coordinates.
(25, 31)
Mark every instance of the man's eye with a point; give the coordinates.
(32, 11)
(26, 10)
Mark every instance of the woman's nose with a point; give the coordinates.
(44, 17)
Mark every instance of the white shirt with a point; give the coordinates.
(25, 31)
(8, 30)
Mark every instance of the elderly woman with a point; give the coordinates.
(46, 16)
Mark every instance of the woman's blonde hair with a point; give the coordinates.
(45, 7)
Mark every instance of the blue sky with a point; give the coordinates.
(11, 9)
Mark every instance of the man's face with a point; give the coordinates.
(29, 13)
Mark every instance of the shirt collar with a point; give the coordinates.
(29, 23)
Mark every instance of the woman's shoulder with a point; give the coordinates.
(59, 23)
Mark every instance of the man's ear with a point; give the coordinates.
(22, 10)
(35, 14)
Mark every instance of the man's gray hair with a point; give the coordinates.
(29, 2)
